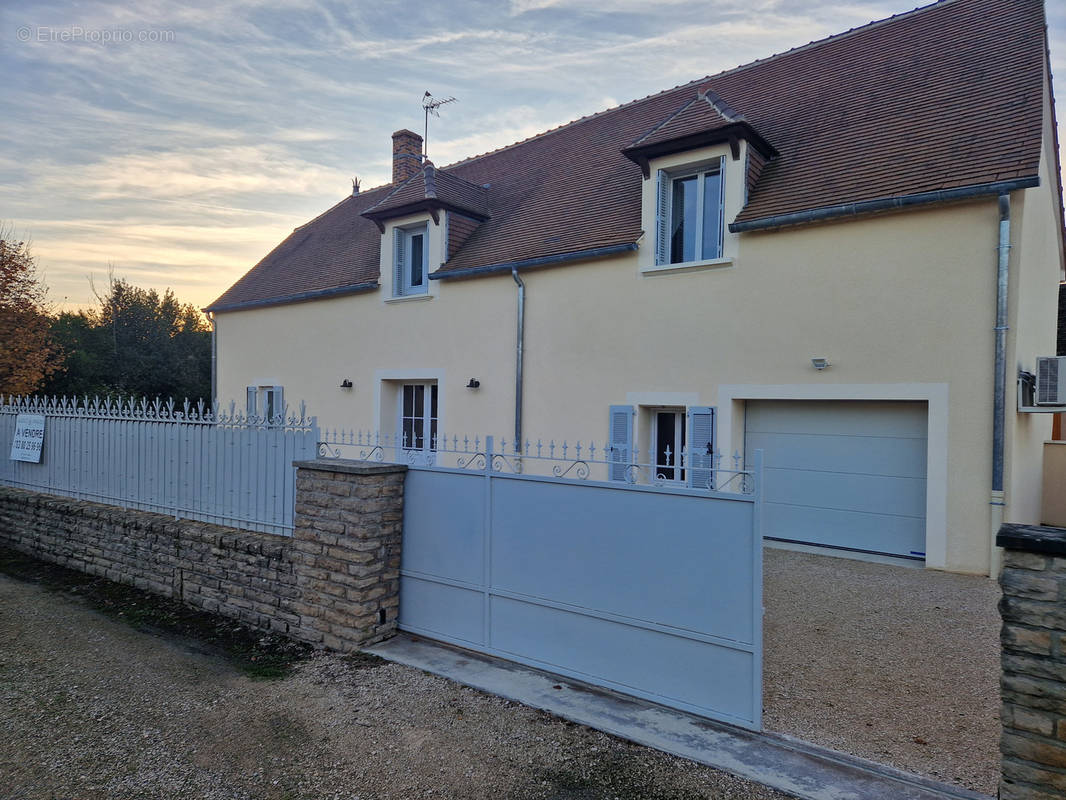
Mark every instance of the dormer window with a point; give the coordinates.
(689, 214)
(411, 261)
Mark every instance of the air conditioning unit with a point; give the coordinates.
(1051, 381)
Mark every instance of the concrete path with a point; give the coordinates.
(780, 762)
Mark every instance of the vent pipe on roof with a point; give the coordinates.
(355, 186)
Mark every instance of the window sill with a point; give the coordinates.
(687, 266)
(409, 298)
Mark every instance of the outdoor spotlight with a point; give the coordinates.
(474, 383)
(820, 363)
(346, 383)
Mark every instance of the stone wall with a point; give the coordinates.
(1033, 682)
(334, 583)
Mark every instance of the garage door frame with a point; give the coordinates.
(847, 475)
(732, 398)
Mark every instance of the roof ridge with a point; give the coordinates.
(429, 174)
(731, 71)
(725, 111)
(396, 187)
(665, 120)
(340, 202)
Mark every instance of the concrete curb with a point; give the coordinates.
(780, 762)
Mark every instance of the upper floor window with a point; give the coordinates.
(689, 215)
(411, 259)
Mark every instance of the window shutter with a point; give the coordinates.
(621, 442)
(250, 394)
(746, 176)
(279, 404)
(447, 235)
(721, 206)
(662, 218)
(397, 262)
(699, 468)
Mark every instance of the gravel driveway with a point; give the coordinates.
(92, 708)
(894, 664)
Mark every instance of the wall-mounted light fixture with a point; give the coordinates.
(820, 363)
(474, 384)
(346, 383)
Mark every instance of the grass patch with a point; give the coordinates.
(259, 655)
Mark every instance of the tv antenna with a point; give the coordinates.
(430, 104)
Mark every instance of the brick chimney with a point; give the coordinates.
(406, 155)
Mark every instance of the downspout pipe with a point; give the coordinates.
(214, 360)
(518, 360)
(999, 412)
(1000, 397)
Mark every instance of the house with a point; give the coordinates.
(799, 255)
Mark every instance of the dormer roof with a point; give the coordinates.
(432, 190)
(704, 118)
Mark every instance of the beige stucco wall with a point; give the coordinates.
(1036, 269)
(1054, 500)
(901, 304)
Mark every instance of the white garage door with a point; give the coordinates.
(844, 474)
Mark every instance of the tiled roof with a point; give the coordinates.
(336, 252)
(943, 97)
(431, 187)
(702, 113)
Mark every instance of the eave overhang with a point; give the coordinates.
(540, 261)
(642, 155)
(883, 204)
(432, 206)
(298, 297)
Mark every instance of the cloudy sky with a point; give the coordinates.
(180, 141)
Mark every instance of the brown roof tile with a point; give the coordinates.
(431, 187)
(336, 252)
(700, 114)
(946, 96)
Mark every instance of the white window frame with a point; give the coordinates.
(430, 422)
(677, 447)
(403, 286)
(716, 167)
(266, 402)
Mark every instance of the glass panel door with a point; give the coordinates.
(669, 435)
(418, 416)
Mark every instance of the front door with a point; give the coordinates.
(418, 418)
(668, 435)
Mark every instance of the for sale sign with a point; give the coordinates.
(29, 436)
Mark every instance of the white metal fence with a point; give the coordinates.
(548, 457)
(189, 461)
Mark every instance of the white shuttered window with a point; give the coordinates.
(689, 222)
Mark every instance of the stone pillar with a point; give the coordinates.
(346, 560)
(1033, 657)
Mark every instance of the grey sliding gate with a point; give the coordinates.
(650, 590)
